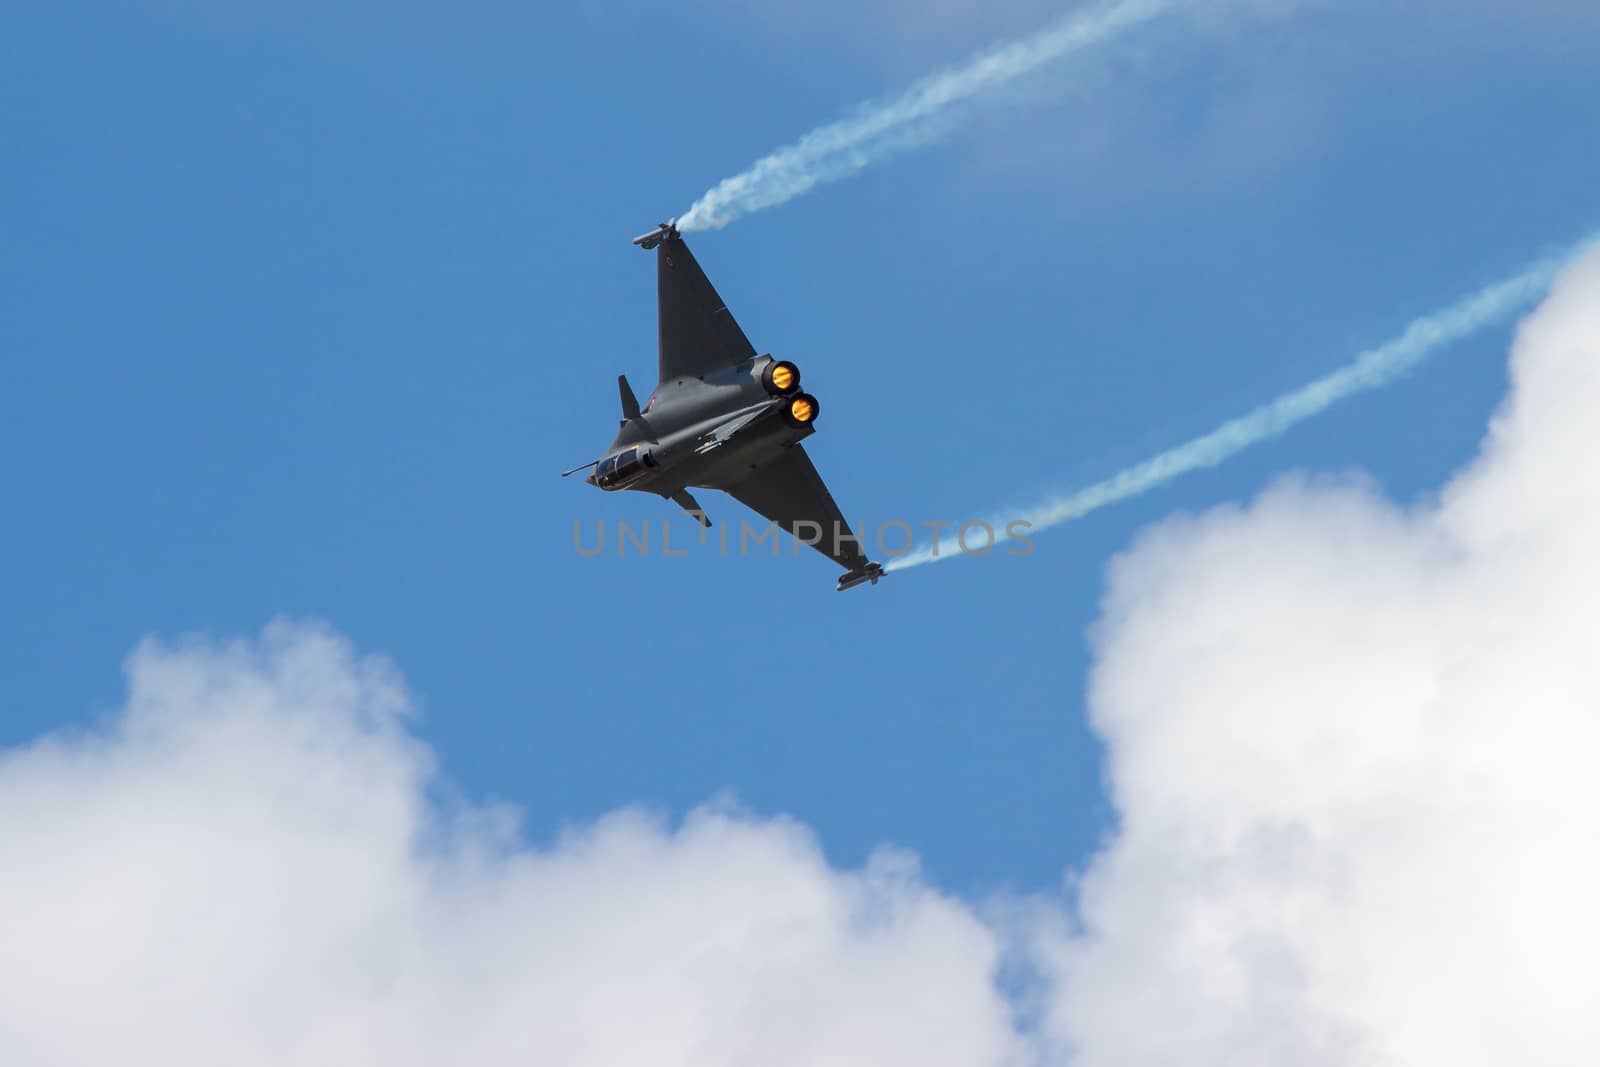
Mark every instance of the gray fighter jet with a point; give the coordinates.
(723, 417)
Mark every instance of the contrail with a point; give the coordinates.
(917, 116)
(1370, 370)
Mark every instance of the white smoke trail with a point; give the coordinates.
(1370, 370)
(915, 117)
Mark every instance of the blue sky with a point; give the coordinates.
(303, 311)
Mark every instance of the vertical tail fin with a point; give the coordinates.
(630, 403)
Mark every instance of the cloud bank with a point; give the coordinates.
(1348, 743)
(247, 868)
(1352, 746)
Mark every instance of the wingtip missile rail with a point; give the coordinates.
(667, 231)
(870, 573)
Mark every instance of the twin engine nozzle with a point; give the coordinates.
(782, 378)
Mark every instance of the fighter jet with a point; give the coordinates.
(723, 417)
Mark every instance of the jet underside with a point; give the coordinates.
(723, 417)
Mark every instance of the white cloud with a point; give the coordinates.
(1349, 746)
(246, 868)
(1352, 750)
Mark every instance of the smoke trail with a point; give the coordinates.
(915, 117)
(1370, 370)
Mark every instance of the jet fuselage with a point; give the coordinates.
(707, 432)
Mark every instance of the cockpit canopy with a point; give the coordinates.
(613, 472)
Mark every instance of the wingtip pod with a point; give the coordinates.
(667, 231)
(870, 573)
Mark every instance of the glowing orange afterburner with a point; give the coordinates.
(781, 378)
